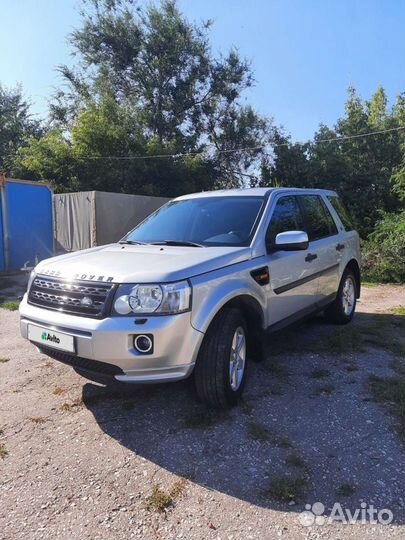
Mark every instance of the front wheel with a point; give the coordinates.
(341, 311)
(220, 369)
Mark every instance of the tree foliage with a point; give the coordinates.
(147, 84)
(361, 169)
(16, 124)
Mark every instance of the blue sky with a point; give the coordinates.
(305, 53)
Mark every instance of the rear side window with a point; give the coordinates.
(341, 211)
(286, 217)
(319, 222)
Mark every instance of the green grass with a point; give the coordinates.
(159, 500)
(391, 393)
(398, 310)
(285, 489)
(10, 305)
(369, 284)
(345, 490)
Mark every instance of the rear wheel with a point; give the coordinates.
(341, 311)
(220, 370)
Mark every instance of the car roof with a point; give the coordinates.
(251, 192)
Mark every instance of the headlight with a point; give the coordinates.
(31, 279)
(145, 299)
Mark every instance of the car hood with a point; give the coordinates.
(123, 263)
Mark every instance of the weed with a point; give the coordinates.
(285, 489)
(3, 451)
(58, 391)
(398, 310)
(37, 419)
(159, 500)
(10, 305)
(71, 407)
(178, 488)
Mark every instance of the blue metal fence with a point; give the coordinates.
(27, 225)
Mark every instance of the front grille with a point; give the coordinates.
(75, 297)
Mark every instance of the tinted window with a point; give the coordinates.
(286, 217)
(341, 211)
(319, 222)
(207, 220)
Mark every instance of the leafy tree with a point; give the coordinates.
(384, 252)
(359, 168)
(16, 124)
(158, 71)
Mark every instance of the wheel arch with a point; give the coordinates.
(354, 266)
(253, 314)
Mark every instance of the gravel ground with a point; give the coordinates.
(82, 460)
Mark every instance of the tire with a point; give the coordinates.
(339, 312)
(212, 373)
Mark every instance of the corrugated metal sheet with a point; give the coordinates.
(93, 218)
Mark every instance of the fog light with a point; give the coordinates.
(143, 343)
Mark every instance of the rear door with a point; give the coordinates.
(293, 285)
(323, 244)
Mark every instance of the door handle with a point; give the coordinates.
(310, 257)
(340, 247)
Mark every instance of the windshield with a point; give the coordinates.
(208, 221)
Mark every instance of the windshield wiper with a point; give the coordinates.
(132, 242)
(176, 243)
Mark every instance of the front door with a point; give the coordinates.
(293, 274)
(323, 242)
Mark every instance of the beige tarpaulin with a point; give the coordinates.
(93, 218)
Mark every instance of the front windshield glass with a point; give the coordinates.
(209, 221)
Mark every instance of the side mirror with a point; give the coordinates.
(291, 241)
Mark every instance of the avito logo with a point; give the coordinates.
(46, 336)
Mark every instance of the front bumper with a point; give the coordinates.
(110, 340)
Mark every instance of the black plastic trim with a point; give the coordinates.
(293, 284)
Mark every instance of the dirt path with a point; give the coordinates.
(83, 461)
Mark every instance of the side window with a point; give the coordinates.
(341, 211)
(286, 217)
(319, 222)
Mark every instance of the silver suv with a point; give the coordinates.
(196, 287)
